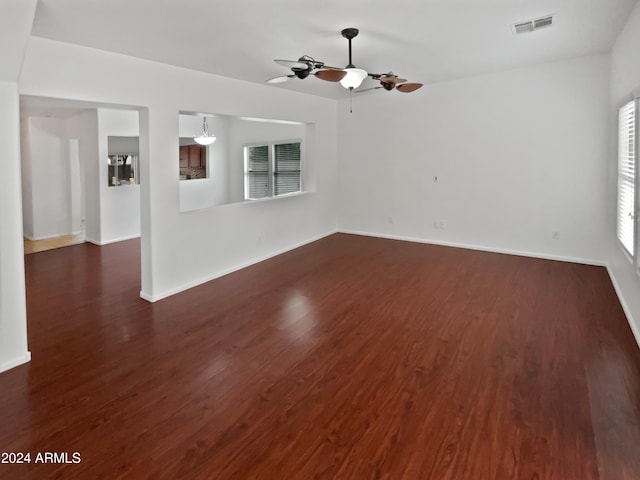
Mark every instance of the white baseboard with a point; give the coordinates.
(15, 362)
(113, 240)
(483, 248)
(154, 298)
(44, 237)
(47, 237)
(625, 306)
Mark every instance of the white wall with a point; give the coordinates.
(13, 317)
(27, 178)
(180, 250)
(84, 128)
(518, 155)
(16, 18)
(46, 178)
(75, 187)
(625, 81)
(119, 206)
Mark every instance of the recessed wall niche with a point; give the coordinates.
(122, 161)
(224, 182)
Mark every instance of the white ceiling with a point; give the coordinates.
(422, 40)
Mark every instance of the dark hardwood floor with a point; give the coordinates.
(349, 358)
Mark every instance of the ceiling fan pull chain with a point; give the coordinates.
(351, 100)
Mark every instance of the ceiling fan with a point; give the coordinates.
(390, 81)
(349, 77)
(305, 66)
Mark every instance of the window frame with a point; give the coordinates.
(247, 188)
(634, 182)
(625, 181)
(272, 172)
(636, 225)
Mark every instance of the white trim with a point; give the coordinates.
(154, 298)
(622, 157)
(15, 362)
(247, 202)
(625, 306)
(636, 187)
(560, 258)
(271, 159)
(47, 237)
(44, 237)
(100, 243)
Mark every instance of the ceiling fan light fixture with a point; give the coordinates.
(353, 78)
(205, 138)
(349, 77)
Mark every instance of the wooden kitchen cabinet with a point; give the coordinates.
(197, 156)
(193, 156)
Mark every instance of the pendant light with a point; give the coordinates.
(205, 138)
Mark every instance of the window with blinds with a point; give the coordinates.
(286, 168)
(272, 170)
(627, 162)
(257, 161)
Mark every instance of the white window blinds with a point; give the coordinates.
(258, 172)
(626, 177)
(273, 169)
(286, 169)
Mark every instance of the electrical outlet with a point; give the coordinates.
(555, 235)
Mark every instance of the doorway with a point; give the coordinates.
(67, 195)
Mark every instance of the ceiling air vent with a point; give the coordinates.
(532, 25)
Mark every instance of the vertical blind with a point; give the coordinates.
(286, 168)
(626, 176)
(258, 171)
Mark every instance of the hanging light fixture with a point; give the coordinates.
(354, 76)
(205, 138)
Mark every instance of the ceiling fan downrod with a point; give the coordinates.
(349, 34)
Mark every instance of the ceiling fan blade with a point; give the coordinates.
(331, 74)
(292, 64)
(281, 79)
(385, 79)
(408, 87)
(366, 89)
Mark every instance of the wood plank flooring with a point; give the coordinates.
(349, 358)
